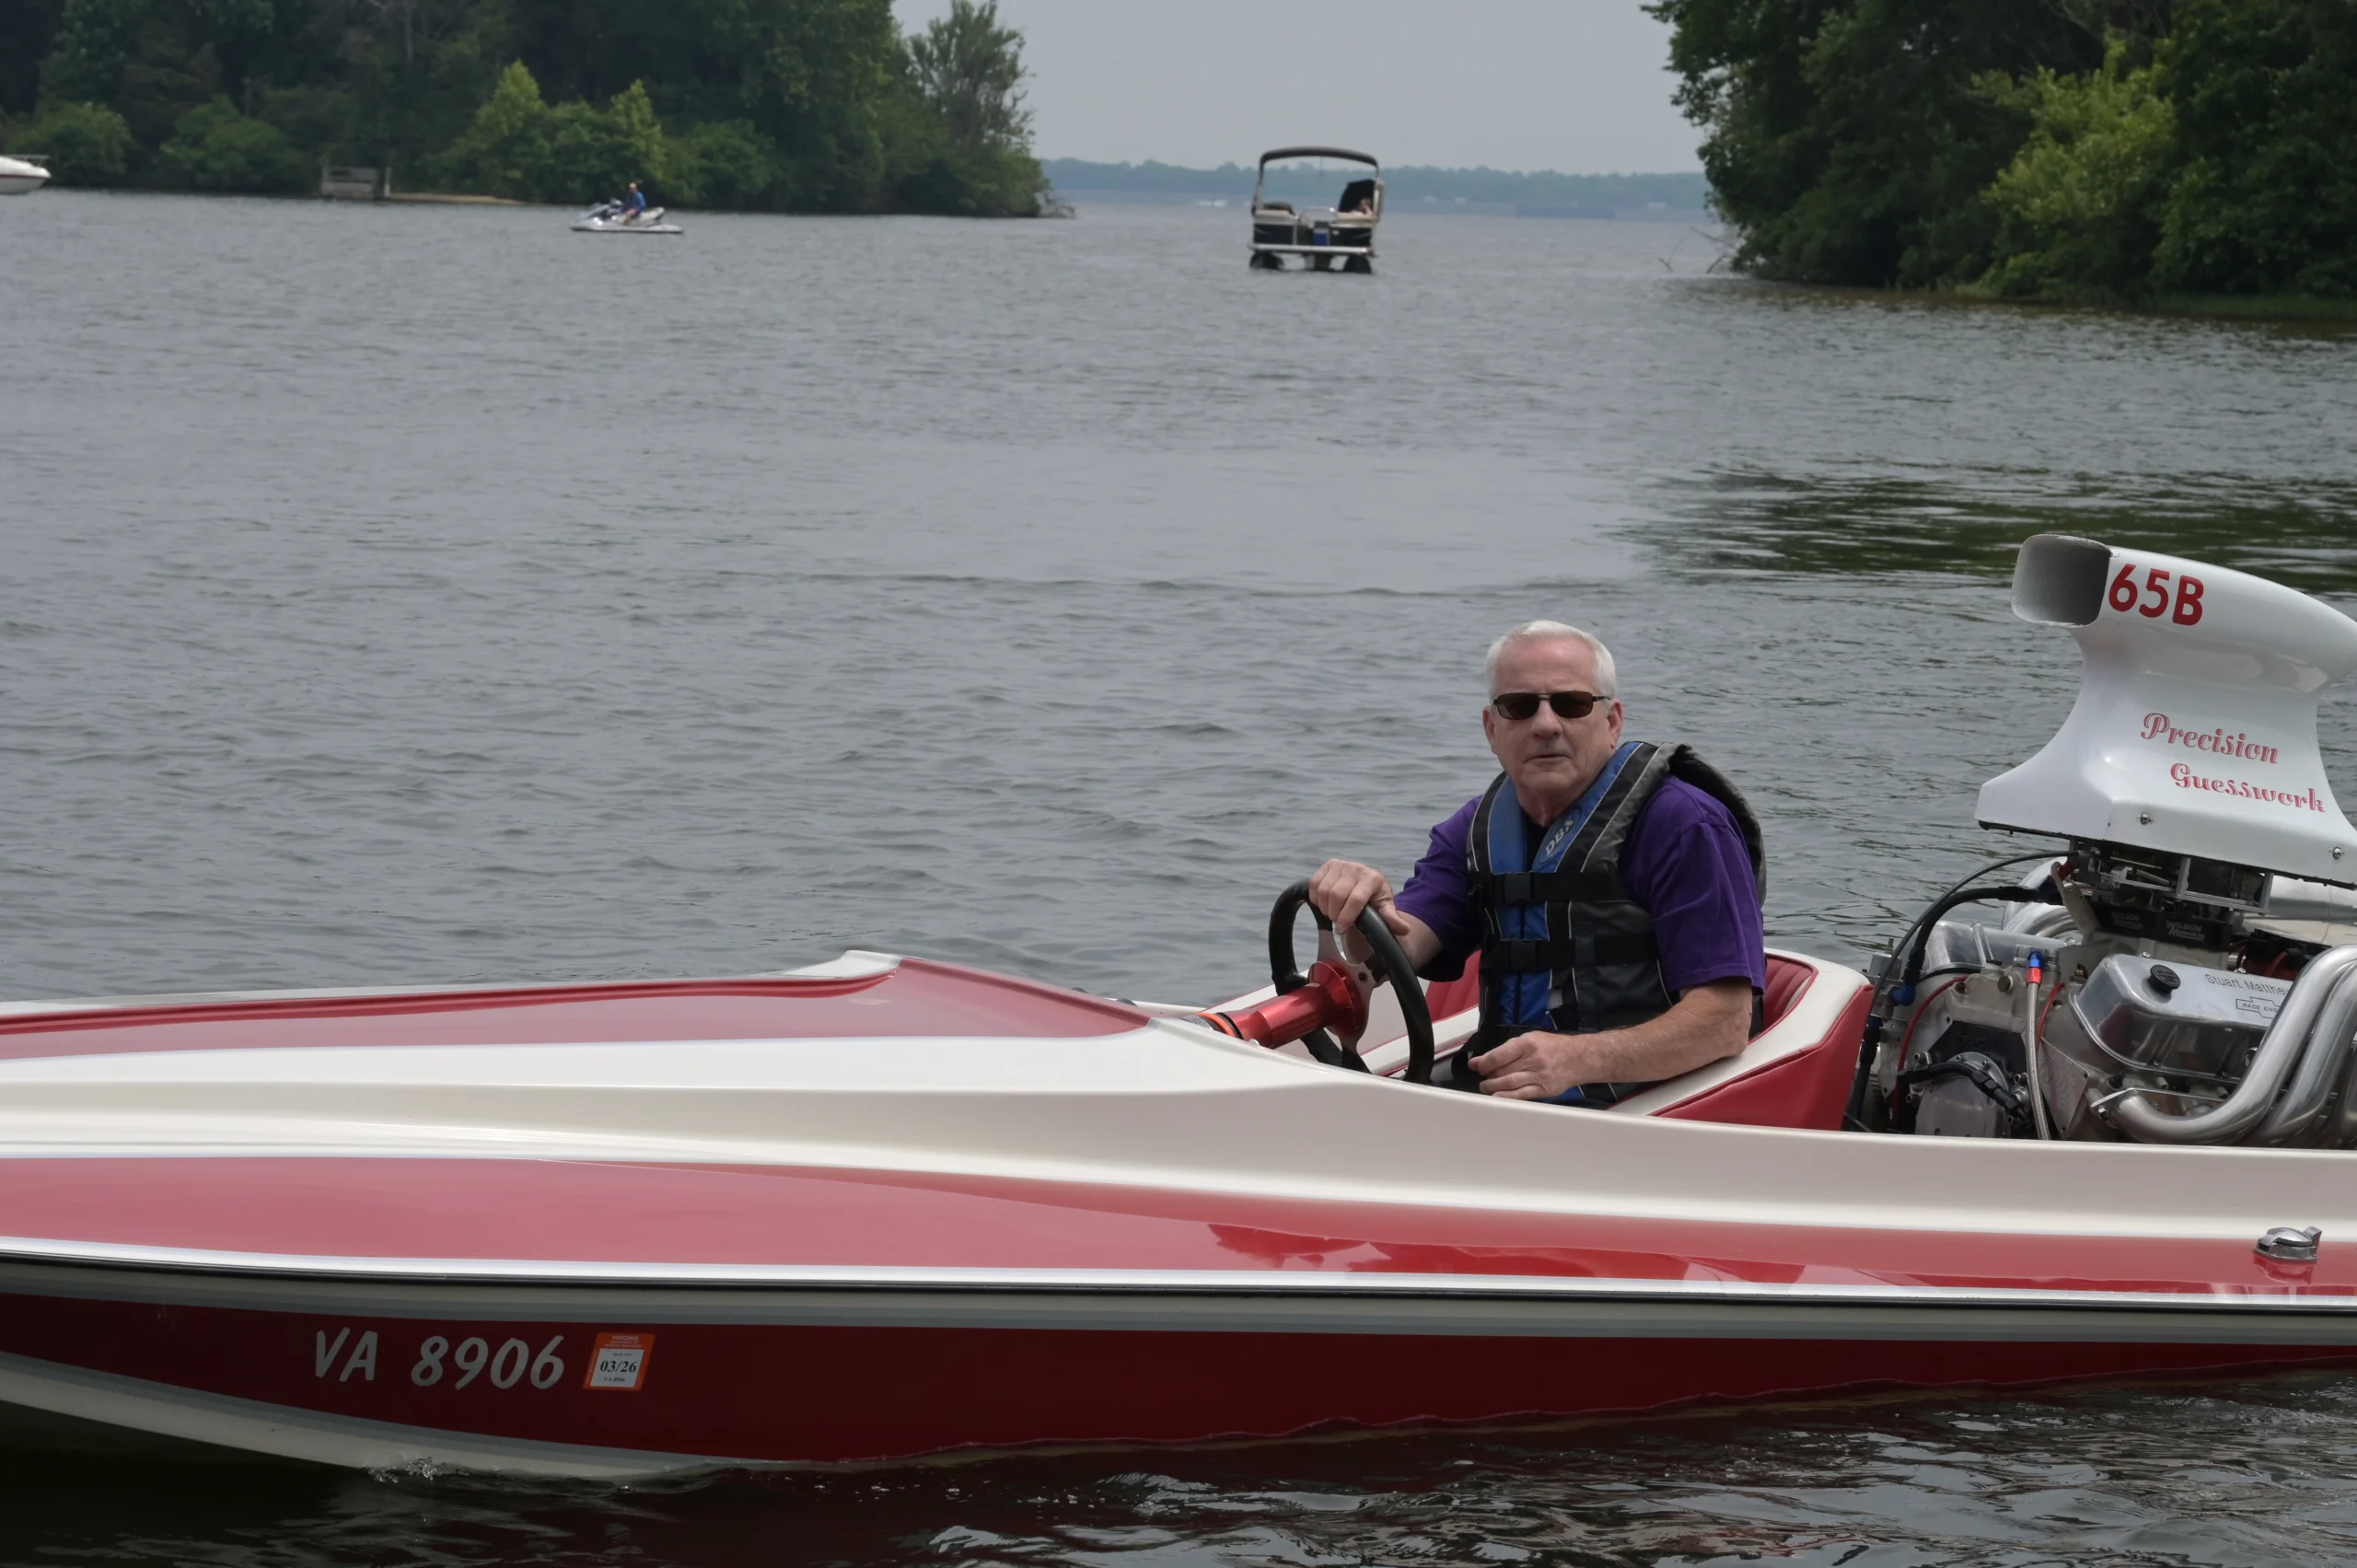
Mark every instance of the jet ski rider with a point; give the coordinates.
(1612, 890)
(633, 203)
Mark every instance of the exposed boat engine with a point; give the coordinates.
(2234, 1025)
(2186, 972)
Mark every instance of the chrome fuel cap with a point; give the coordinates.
(2290, 1245)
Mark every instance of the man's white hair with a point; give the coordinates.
(1607, 681)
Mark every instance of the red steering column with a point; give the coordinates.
(1333, 994)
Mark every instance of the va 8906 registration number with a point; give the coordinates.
(617, 1361)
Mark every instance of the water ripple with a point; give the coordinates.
(402, 595)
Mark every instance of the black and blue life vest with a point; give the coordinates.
(1563, 945)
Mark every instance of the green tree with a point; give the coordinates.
(30, 29)
(416, 72)
(968, 70)
(505, 150)
(2268, 200)
(320, 122)
(807, 77)
(591, 154)
(86, 143)
(818, 71)
(797, 104)
(723, 163)
(1853, 141)
(2079, 208)
(958, 137)
(92, 43)
(216, 148)
(521, 148)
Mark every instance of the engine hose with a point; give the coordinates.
(1936, 908)
(1930, 919)
(1913, 941)
(2031, 1067)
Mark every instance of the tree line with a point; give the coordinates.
(783, 105)
(2093, 150)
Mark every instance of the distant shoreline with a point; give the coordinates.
(1411, 187)
(1394, 207)
(2286, 310)
(444, 199)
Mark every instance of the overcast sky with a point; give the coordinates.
(1571, 85)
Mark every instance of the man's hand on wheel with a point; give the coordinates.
(1339, 888)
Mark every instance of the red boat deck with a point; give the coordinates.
(916, 997)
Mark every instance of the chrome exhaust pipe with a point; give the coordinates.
(2339, 1130)
(2322, 1065)
(2284, 1047)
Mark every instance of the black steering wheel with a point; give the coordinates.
(1388, 954)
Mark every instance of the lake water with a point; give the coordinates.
(413, 594)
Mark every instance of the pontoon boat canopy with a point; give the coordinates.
(1271, 157)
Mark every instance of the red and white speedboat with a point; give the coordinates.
(884, 1207)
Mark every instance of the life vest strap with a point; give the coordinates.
(1556, 887)
(1604, 947)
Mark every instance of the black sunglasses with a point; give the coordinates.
(1520, 705)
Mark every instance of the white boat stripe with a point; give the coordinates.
(21, 1258)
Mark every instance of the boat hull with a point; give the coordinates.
(882, 1209)
(505, 1376)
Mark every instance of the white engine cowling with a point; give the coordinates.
(2195, 729)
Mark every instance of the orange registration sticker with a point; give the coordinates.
(618, 1362)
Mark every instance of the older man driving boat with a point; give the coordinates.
(1611, 888)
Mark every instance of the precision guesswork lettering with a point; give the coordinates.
(2159, 727)
(2186, 778)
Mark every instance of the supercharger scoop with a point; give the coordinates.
(2182, 973)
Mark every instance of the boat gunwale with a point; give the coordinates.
(2297, 1298)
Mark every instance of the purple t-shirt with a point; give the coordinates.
(1684, 860)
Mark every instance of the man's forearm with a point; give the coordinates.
(1705, 1025)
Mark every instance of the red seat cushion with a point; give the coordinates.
(1787, 978)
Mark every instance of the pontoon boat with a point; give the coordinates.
(1322, 237)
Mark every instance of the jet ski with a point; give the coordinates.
(608, 217)
(882, 1207)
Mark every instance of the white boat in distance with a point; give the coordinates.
(608, 217)
(21, 174)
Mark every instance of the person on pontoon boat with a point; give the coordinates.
(1611, 888)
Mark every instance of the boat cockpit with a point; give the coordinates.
(2178, 967)
(1379, 1019)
